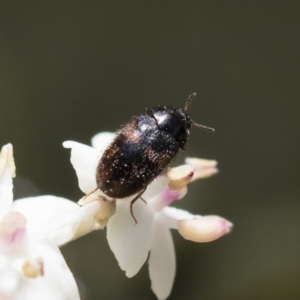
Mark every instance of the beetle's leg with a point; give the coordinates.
(143, 200)
(132, 202)
(90, 193)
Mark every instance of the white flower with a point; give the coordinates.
(31, 265)
(130, 242)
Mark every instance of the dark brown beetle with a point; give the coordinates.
(142, 149)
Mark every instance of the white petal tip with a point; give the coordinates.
(6, 157)
(130, 274)
(68, 144)
(204, 229)
(101, 140)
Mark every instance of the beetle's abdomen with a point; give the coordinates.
(137, 155)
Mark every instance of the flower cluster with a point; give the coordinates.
(33, 229)
(130, 242)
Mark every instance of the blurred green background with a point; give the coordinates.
(69, 69)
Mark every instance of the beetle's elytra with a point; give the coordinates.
(142, 149)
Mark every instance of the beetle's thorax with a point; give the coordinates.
(172, 120)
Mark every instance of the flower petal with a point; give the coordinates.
(7, 172)
(13, 234)
(84, 160)
(166, 197)
(9, 277)
(47, 216)
(4, 296)
(162, 262)
(54, 280)
(106, 208)
(171, 215)
(155, 187)
(101, 140)
(130, 242)
(7, 159)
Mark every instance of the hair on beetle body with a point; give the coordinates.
(142, 149)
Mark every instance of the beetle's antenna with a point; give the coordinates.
(203, 127)
(187, 104)
(189, 101)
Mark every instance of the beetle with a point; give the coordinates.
(142, 149)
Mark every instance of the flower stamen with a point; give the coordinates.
(203, 167)
(33, 268)
(180, 176)
(106, 210)
(204, 229)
